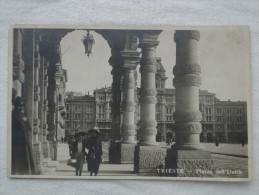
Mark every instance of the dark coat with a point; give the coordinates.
(94, 157)
(22, 155)
(79, 155)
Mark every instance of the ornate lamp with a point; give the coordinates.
(88, 41)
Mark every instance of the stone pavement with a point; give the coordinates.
(230, 160)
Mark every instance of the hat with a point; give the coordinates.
(96, 129)
(18, 102)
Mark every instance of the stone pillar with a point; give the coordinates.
(225, 136)
(128, 132)
(114, 149)
(36, 121)
(148, 156)
(51, 116)
(187, 153)
(136, 99)
(18, 63)
(45, 143)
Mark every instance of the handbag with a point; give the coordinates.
(71, 162)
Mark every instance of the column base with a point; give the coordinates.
(147, 159)
(49, 165)
(120, 153)
(45, 147)
(114, 153)
(38, 156)
(53, 146)
(127, 153)
(188, 163)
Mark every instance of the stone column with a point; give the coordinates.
(225, 135)
(51, 116)
(114, 149)
(148, 156)
(128, 132)
(116, 62)
(36, 121)
(45, 143)
(187, 153)
(18, 63)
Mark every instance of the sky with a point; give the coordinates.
(223, 57)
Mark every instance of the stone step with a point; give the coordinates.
(50, 165)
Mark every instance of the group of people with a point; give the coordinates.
(86, 146)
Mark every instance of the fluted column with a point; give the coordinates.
(148, 155)
(187, 153)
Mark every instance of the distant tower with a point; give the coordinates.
(160, 76)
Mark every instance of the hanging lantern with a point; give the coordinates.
(88, 41)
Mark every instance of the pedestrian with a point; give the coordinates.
(243, 141)
(79, 153)
(217, 142)
(94, 157)
(22, 155)
(62, 140)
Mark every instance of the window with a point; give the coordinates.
(208, 118)
(239, 118)
(219, 118)
(218, 111)
(229, 118)
(208, 110)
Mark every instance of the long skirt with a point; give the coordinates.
(80, 160)
(94, 164)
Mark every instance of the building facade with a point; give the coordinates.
(224, 120)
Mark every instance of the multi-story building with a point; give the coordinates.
(80, 113)
(231, 121)
(224, 120)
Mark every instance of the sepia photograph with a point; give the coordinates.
(130, 102)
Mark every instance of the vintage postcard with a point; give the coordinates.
(130, 102)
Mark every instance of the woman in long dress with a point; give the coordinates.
(94, 157)
(79, 153)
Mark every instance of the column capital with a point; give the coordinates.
(149, 38)
(130, 59)
(182, 35)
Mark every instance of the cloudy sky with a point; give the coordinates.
(223, 56)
